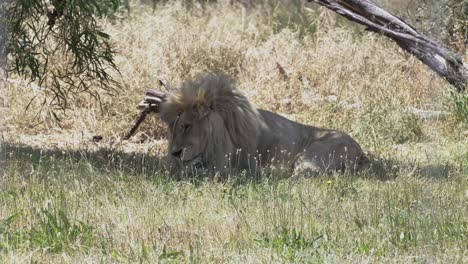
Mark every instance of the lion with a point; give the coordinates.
(212, 126)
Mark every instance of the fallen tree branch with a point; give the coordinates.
(444, 62)
(426, 115)
(141, 117)
(150, 104)
(166, 85)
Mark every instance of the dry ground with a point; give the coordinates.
(64, 198)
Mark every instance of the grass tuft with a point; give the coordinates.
(51, 229)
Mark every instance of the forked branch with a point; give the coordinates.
(444, 62)
(150, 104)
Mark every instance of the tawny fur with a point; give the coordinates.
(209, 118)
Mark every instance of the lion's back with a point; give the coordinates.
(280, 135)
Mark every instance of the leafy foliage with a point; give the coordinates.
(42, 31)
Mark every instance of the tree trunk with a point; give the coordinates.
(4, 36)
(444, 62)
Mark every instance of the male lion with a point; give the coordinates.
(213, 126)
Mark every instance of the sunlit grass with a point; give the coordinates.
(116, 211)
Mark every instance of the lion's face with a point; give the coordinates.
(211, 125)
(187, 135)
(198, 139)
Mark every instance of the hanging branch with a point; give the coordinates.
(444, 62)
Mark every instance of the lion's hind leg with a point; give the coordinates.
(306, 167)
(327, 157)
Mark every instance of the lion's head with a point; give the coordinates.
(209, 121)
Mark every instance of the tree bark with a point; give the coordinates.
(4, 38)
(444, 62)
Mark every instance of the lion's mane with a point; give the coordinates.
(217, 93)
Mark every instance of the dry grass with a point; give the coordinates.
(409, 206)
(358, 68)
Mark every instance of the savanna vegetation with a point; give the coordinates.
(65, 197)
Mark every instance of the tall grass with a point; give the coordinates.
(75, 207)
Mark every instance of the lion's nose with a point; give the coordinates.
(177, 153)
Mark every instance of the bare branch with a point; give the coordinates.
(137, 123)
(166, 85)
(150, 104)
(444, 62)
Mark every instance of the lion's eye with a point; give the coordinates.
(186, 127)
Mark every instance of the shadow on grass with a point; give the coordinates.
(386, 169)
(112, 161)
(104, 160)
